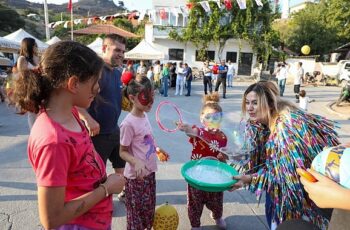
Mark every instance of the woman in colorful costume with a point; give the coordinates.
(285, 138)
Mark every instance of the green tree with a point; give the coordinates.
(252, 24)
(9, 20)
(308, 28)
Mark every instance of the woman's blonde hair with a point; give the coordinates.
(269, 103)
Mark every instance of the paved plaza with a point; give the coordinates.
(18, 200)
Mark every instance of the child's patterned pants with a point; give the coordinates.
(140, 202)
(196, 199)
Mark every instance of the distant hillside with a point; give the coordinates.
(82, 7)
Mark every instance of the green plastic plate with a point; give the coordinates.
(207, 186)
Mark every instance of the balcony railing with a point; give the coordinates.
(163, 31)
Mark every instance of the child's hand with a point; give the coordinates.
(243, 180)
(162, 155)
(222, 157)
(140, 169)
(183, 127)
(115, 183)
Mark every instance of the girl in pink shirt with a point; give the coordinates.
(74, 191)
(138, 149)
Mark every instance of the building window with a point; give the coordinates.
(231, 56)
(176, 54)
(210, 55)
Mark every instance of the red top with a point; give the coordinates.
(215, 69)
(207, 142)
(63, 158)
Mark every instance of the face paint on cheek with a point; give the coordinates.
(145, 97)
(212, 120)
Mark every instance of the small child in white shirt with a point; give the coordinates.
(304, 100)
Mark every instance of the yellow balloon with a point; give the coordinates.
(305, 49)
(166, 218)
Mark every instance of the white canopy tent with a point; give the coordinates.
(53, 40)
(97, 46)
(144, 51)
(9, 46)
(18, 36)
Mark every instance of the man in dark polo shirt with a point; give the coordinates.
(101, 118)
(223, 68)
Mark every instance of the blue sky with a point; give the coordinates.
(136, 4)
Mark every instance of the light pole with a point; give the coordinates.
(47, 30)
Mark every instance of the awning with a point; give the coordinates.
(8, 46)
(97, 45)
(18, 36)
(105, 29)
(144, 51)
(53, 40)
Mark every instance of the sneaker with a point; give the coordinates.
(220, 223)
(121, 196)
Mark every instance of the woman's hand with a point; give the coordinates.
(326, 193)
(115, 183)
(243, 180)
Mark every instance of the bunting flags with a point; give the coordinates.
(206, 6)
(242, 4)
(163, 13)
(228, 4)
(259, 3)
(70, 5)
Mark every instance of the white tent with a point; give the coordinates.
(144, 51)
(8, 46)
(53, 40)
(18, 36)
(97, 45)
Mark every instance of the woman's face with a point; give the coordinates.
(251, 105)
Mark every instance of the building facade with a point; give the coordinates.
(168, 15)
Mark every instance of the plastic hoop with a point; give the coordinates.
(161, 126)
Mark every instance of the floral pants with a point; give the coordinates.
(196, 199)
(140, 202)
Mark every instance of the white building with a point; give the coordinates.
(157, 36)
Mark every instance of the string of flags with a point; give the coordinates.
(162, 13)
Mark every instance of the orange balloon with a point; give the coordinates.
(308, 176)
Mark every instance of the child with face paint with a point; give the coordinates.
(206, 141)
(137, 148)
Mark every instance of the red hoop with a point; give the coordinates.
(161, 126)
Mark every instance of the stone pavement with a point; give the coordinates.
(18, 201)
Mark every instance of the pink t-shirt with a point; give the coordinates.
(63, 158)
(136, 132)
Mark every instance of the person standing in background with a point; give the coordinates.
(27, 60)
(156, 70)
(298, 77)
(207, 81)
(180, 79)
(101, 118)
(222, 78)
(188, 76)
(230, 74)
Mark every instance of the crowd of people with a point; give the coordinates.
(74, 99)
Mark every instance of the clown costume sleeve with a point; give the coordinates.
(294, 140)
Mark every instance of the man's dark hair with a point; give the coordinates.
(116, 37)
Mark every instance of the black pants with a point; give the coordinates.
(207, 82)
(218, 83)
(107, 145)
(296, 91)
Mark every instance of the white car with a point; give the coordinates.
(344, 75)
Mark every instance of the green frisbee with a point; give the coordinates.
(209, 166)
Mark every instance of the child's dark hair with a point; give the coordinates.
(211, 101)
(302, 93)
(27, 49)
(135, 87)
(60, 61)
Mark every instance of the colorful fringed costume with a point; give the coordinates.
(295, 139)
